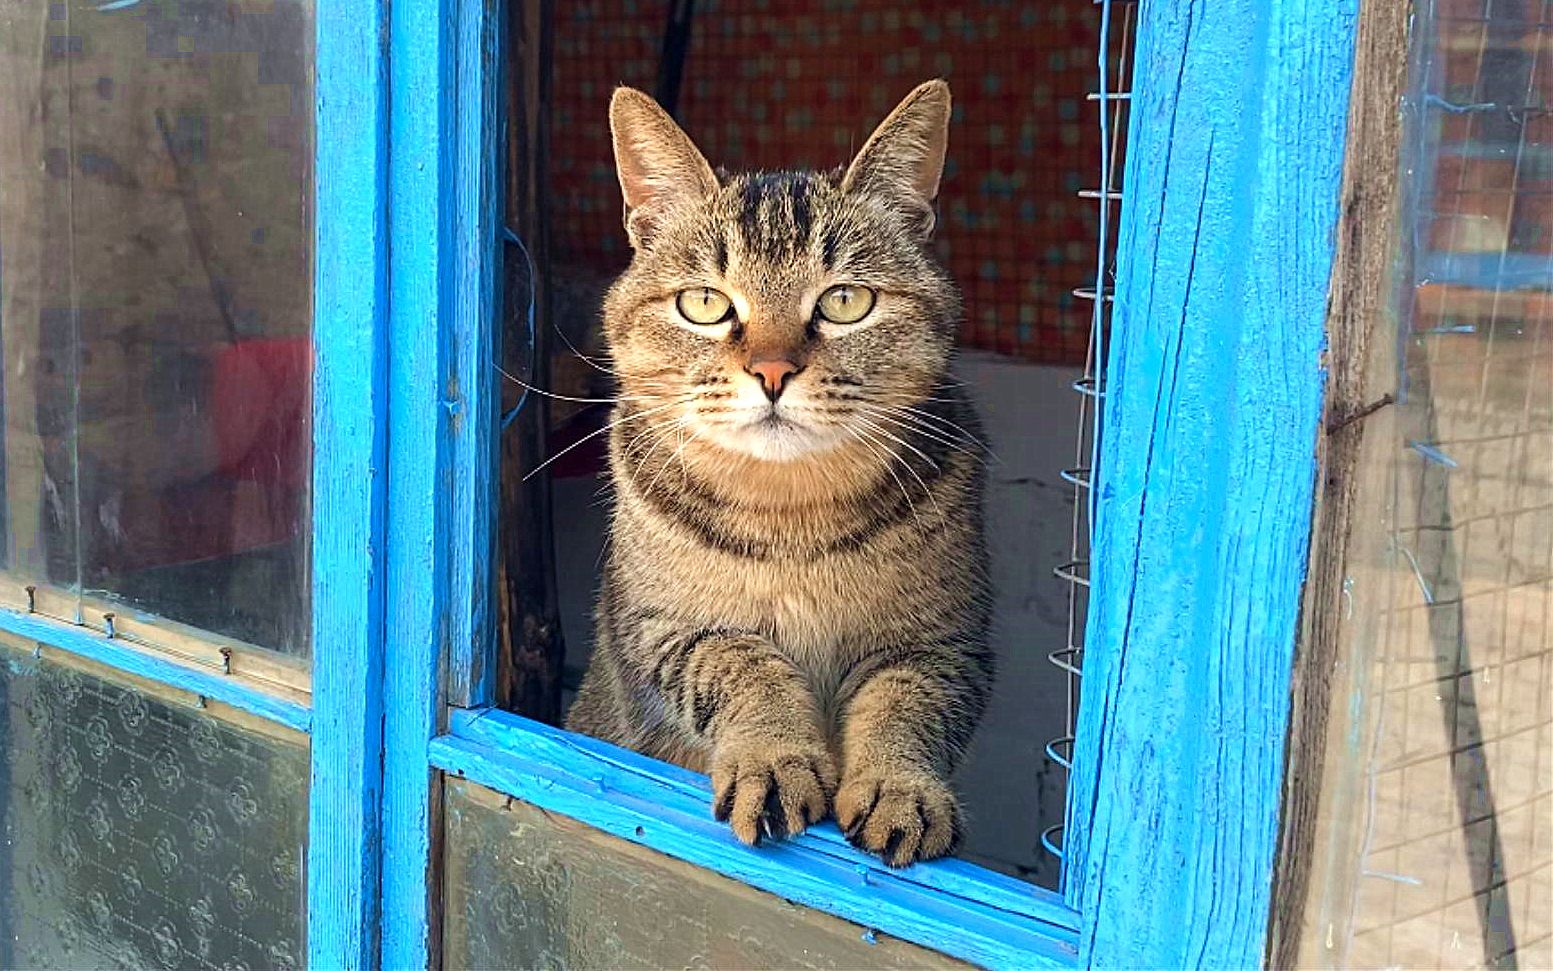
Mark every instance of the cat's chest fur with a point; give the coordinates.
(823, 611)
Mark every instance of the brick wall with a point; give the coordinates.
(788, 83)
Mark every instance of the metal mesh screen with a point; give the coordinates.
(1111, 101)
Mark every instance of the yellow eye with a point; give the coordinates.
(846, 304)
(703, 305)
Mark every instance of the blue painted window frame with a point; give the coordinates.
(1231, 172)
(1236, 147)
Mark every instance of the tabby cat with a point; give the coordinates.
(795, 597)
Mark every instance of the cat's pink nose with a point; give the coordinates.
(773, 375)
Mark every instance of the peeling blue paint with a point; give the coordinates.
(1212, 408)
(1433, 454)
(350, 410)
(87, 643)
(443, 394)
(421, 548)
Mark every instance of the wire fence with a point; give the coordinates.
(1452, 861)
(1112, 101)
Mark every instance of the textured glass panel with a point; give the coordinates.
(155, 306)
(526, 889)
(140, 831)
(1437, 845)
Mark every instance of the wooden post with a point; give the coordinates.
(1213, 401)
(530, 645)
(1360, 375)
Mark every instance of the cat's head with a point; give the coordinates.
(781, 314)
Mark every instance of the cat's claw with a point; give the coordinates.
(902, 818)
(761, 791)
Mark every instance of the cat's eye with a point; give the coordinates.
(846, 304)
(703, 305)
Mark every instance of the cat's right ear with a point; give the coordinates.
(659, 167)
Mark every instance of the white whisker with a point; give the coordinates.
(925, 490)
(584, 401)
(938, 419)
(907, 423)
(900, 441)
(657, 436)
(676, 454)
(888, 459)
(584, 358)
(637, 442)
(599, 431)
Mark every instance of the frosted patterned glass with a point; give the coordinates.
(526, 889)
(140, 831)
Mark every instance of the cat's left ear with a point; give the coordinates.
(903, 159)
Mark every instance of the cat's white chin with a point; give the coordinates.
(782, 440)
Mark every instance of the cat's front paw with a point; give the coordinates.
(904, 817)
(765, 790)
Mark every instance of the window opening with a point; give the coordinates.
(1022, 218)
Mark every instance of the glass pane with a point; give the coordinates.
(1438, 831)
(155, 306)
(527, 889)
(140, 831)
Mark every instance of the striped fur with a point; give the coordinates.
(795, 595)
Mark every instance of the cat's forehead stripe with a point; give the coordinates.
(831, 244)
(803, 215)
(776, 213)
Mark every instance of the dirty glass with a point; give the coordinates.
(155, 306)
(529, 889)
(1436, 842)
(140, 831)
